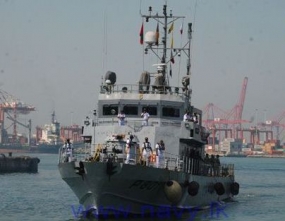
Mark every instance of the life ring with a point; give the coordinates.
(193, 188)
(219, 188)
(234, 188)
(173, 191)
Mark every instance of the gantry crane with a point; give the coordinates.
(13, 107)
(217, 119)
(276, 122)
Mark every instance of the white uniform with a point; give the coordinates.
(128, 152)
(186, 117)
(121, 118)
(159, 156)
(69, 154)
(145, 116)
(146, 152)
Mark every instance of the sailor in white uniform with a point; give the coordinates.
(186, 117)
(160, 148)
(68, 150)
(128, 150)
(145, 115)
(146, 152)
(121, 117)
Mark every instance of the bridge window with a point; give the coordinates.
(110, 109)
(131, 110)
(170, 112)
(152, 110)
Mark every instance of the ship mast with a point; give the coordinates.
(162, 45)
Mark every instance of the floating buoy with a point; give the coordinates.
(173, 191)
(234, 188)
(220, 189)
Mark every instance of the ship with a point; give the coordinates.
(52, 136)
(116, 177)
(48, 139)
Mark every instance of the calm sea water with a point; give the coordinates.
(44, 196)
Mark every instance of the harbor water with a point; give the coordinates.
(44, 196)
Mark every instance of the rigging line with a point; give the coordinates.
(106, 40)
(158, 60)
(180, 56)
(194, 21)
(104, 50)
(143, 52)
(171, 49)
(195, 10)
(140, 7)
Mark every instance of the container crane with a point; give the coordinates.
(276, 122)
(219, 120)
(234, 116)
(12, 106)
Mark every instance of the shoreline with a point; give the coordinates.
(266, 156)
(7, 151)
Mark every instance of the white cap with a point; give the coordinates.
(128, 141)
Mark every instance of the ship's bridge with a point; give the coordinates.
(165, 106)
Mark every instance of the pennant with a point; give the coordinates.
(171, 58)
(157, 34)
(141, 35)
(170, 28)
(170, 71)
(171, 45)
(181, 28)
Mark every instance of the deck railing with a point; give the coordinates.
(143, 89)
(168, 161)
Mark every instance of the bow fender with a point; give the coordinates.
(193, 188)
(219, 188)
(173, 191)
(234, 188)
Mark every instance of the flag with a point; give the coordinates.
(170, 28)
(170, 71)
(171, 58)
(171, 45)
(181, 28)
(157, 34)
(141, 35)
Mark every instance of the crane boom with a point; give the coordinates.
(242, 99)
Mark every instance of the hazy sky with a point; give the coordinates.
(54, 53)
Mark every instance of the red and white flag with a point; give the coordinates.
(141, 35)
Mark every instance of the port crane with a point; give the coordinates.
(277, 123)
(12, 107)
(28, 126)
(227, 121)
